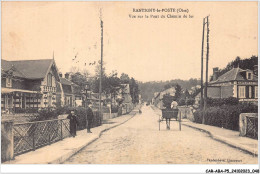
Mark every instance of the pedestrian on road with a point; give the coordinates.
(73, 123)
(90, 117)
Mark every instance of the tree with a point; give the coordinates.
(134, 90)
(167, 100)
(124, 78)
(79, 79)
(98, 70)
(178, 92)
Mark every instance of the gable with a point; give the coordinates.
(55, 77)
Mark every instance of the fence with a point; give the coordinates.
(32, 135)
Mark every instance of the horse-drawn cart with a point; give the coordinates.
(169, 115)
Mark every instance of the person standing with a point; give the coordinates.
(73, 123)
(90, 117)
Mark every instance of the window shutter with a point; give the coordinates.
(253, 91)
(247, 91)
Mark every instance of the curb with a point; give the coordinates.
(64, 158)
(225, 141)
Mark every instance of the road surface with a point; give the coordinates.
(139, 141)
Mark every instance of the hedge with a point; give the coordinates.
(82, 116)
(222, 101)
(114, 109)
(225, 116)
(51, 113)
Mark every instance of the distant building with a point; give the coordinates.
(238, 83)
(70, 94)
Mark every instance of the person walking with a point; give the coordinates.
(73, 123)
(90, 117)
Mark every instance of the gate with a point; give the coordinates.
(252, 127)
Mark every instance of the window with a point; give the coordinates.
(49, 79)
(249, 76)
(256, 91)
(8, 82)
(241, 92)
(249, 91)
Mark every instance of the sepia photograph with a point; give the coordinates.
(135, 82)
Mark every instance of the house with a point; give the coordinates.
(28, 84)
(70, 93)
(238, 83)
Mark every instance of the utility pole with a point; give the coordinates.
(101, 66)
(206, 83)
(201, 84)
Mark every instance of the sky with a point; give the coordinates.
(148, 49)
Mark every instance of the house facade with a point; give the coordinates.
(238, 83)
(70, 94)
(28, 84)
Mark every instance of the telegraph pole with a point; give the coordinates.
(206, 83)
(101, 66)
(201, 96)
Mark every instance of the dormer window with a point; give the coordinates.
(8, 82)
(249, 76)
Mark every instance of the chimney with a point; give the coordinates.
(60, 74)
(255, 70)
(215, 73)
(67, 75)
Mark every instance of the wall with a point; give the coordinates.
(214, 92)
(33, 85)
(226, 91)
(7, 142)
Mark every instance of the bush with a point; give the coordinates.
(119, 110)
(46, 114)
(226, 116)
(222, 101)
(114, 109)
(25, 110)
(81, 112)
(82, 118)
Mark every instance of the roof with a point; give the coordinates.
(158, 94)
(235, 74)
(30, 69)
(65, 81)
